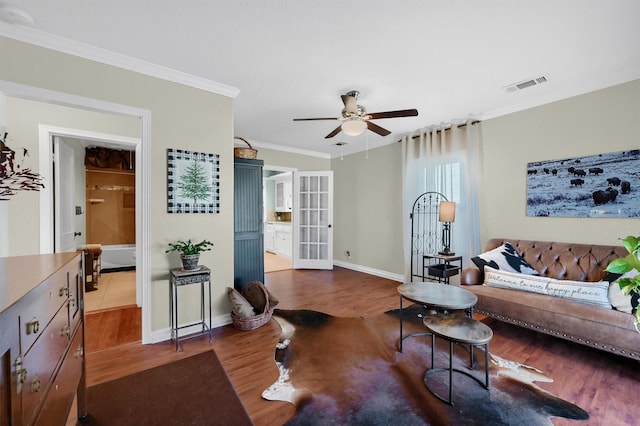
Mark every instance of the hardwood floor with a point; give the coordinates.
(604, 385)
(113, 327)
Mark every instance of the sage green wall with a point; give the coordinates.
(368, 209)
(23, 119)
(182, 117)
(598, 122)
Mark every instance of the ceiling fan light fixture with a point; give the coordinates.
(354, 126)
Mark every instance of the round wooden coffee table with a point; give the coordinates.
(435, 295)
(457, 329)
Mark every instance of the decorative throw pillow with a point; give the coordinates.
(239, 305)
(580, 291)
(619, 300)
(577, 291)
(254, 294)
(515, 281)
(505, 258)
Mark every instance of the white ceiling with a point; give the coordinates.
(450, 59)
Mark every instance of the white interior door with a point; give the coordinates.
(313, 220)
(63, 198)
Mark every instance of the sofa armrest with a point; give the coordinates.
(471, 276)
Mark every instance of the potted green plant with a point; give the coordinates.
(189, 252)
(626, 264)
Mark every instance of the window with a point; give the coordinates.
(446, 177)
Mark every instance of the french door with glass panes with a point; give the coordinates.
(312, 220)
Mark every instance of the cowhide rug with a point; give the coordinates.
(348, 371)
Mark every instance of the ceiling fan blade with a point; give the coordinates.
(377, 129)
(314, 119)
(335, 132)
(393, 114)
(350, 104)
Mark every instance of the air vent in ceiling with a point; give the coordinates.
(526, 83)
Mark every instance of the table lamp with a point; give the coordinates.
(446, 215)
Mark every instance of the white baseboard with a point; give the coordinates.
(370, 271)
(164, 334)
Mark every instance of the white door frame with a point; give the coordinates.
(143, 177)
(283, 169)
(45, 135)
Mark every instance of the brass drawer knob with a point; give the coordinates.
(35, 384)
(33, 326)
(65, 331)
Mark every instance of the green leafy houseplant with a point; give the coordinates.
(189, 252)
(625, 264)
(189, 248)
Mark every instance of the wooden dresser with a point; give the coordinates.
(41, 338)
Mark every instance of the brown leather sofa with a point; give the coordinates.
(606, 329)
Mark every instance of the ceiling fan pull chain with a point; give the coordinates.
(367, 147)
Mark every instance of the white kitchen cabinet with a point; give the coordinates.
(269, 237)
(282, 239)
(284, 196)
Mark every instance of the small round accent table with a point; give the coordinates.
(435, 295)
(457, 329)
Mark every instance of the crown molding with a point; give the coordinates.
(86, 51)
(289, 149)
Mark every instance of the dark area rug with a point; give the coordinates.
(191, 391)
(348, 371)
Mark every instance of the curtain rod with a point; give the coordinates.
(448, 127)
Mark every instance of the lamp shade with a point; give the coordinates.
(447, 211)
(354, 126)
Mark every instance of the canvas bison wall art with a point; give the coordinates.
(602, 185)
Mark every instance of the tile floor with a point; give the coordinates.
(114, 289)
(273, 262)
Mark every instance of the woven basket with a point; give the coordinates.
(249, 153)
(255, 321)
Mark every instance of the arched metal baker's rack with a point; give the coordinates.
(426, 230)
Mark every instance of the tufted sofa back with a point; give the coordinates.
(564, 261)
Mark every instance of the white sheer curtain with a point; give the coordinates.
(445, 159)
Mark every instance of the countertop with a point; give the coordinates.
(21, 274)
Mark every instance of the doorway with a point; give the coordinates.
(278, 217)
(102, 211)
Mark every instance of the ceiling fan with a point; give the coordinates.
(356, 120)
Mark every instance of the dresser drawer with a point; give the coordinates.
(41, 361)
(58, 402)
(51, 295)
